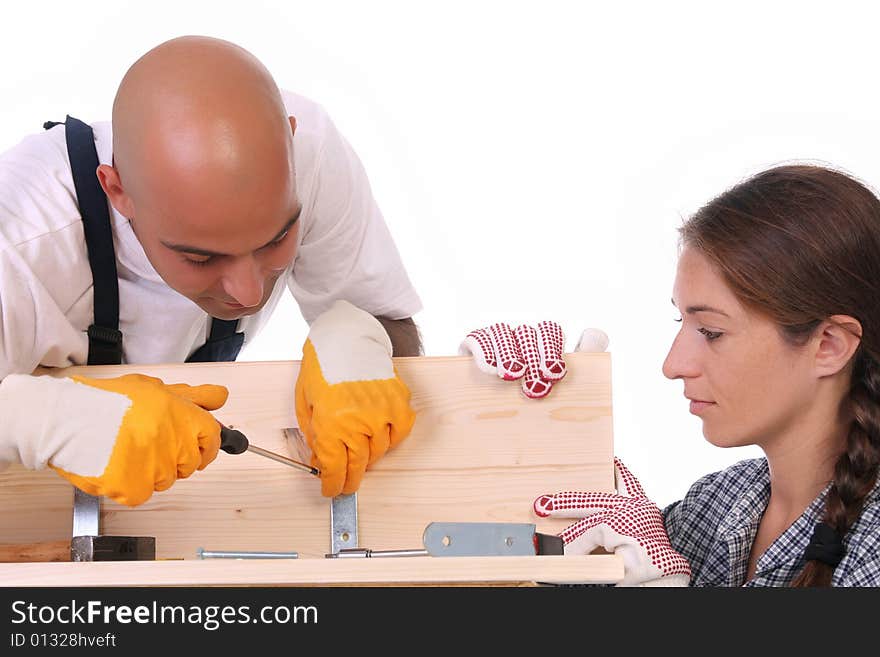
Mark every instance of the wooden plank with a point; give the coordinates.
(305, 572)
(479, 451)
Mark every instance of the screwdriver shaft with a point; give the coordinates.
(283, 459)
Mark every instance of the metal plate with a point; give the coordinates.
(343, 522)
(86, 514)
(468, 539)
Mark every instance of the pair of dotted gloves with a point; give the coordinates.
(626, 523)
(122, 437)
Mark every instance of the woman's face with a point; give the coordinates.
(746, 383)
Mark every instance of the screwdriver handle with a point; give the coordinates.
(232, 441)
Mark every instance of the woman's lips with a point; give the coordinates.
(698, 406)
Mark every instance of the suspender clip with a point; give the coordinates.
(105, 345)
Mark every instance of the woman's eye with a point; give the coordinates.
(710, 335)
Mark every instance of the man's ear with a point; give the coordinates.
(112, 185)
(837, 337)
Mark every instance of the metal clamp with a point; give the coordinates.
(87, 544)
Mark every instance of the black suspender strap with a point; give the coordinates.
(105, 338)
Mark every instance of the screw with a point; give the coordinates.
(202, 553)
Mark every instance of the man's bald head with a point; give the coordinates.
(197, 112)
(203, 167)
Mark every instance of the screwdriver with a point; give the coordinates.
(233, 441)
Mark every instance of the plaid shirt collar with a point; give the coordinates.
(783, 559)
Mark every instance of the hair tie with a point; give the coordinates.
(825, 545)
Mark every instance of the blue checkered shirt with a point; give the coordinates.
(714, 526)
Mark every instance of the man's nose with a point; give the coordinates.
(680, 362)
(243, 281)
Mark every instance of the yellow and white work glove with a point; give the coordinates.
(122, 437)
(534, 355)
(627, 524)
(350, 403)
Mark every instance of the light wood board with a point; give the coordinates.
(388, 571)
(479, 451)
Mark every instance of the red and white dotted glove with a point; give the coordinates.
(533, 355)
(627, 524)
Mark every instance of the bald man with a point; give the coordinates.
(169, 235)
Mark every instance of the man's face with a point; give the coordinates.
(223, 252)
(744, 381)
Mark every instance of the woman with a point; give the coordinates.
(778, 286)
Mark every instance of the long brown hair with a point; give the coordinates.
(800, 243)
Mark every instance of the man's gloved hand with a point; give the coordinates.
(350, 403)
(533, 355)
(123, 437)
(627, 523)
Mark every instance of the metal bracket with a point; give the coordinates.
(87, 544)
(465, 539)
(469, 539)
(86, 514)
(343, 523)
(343, 508)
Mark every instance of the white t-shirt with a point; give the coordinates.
(345, 251)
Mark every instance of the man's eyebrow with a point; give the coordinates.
(702, 308)
(186, 248)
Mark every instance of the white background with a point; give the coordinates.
(532, 159)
